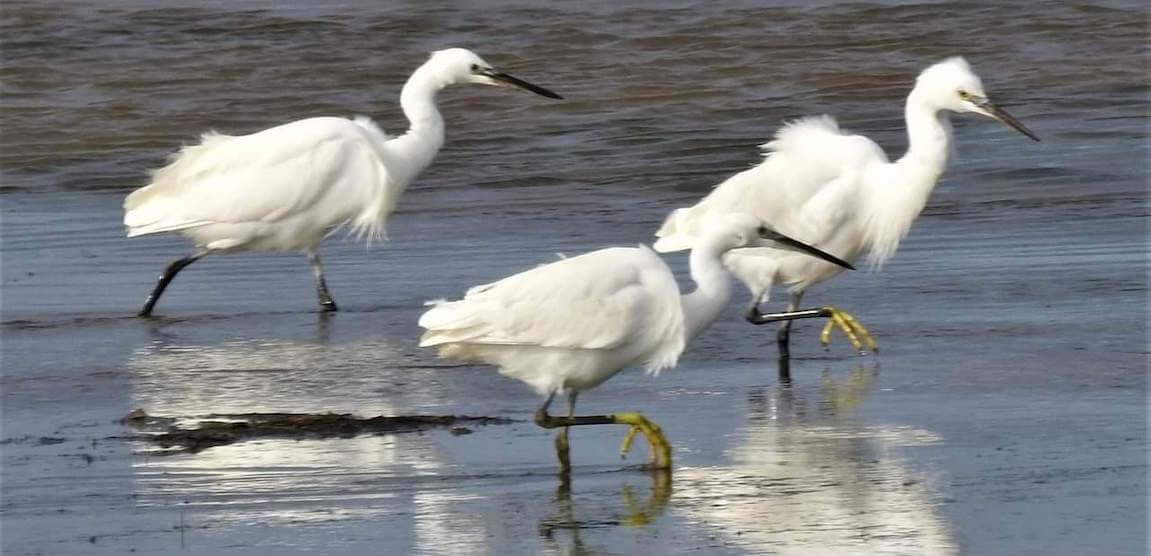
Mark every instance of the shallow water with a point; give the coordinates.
(1006, 414)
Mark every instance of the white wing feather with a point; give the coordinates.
(270, 176)
(801, 168)
(608, 299)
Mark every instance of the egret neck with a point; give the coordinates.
(910, 179)
(419, 145)
(712, 289)
(929, 140)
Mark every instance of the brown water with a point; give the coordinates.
(1007, 414)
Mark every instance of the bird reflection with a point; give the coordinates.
(807, 475)
(159, 327)
(789, 402)
(283, 481)
(632, 513)
(263, 375)
(324, 327)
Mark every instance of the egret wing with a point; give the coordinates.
(602, 300)
(326, 165)
(810, 159)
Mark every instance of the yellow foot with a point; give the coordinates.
(625, 446)
(660, 449)
(850, 327)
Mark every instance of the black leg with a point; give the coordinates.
(563, 452)
(755, 317)
(169, 273)
(327, 304)
(781, 339)
(546, 420)
(550, 421)
(859, 336)
(660, 449)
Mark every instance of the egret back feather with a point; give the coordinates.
(303, 172)
(578, 319)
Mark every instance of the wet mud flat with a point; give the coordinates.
(1004, 415)
(986, 448)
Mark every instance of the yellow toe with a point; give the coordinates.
(625, 446)
(660, 449)
(851, 327)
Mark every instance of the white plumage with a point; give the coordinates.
(288, 187)
(835, 190)
(569, 325)
(280, 189)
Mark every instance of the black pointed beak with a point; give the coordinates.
(1002, 115)
(517, 82)
(796, 245)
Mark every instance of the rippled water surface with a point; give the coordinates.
(1006, 414)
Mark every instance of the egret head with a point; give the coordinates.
(460, 65)
(951, 85)
(737, 230)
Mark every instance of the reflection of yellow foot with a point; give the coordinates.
(843, 395)
(562, 450)
(660, 449)
(639, 515)
(850, 327)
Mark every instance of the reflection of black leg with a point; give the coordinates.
(634, 513)
(784, 370)
(327, 304)
(169, 273)
(323, 327)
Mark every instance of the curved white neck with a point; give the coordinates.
(712, 292)
(419, 145)
(907, 183)
(928, 135)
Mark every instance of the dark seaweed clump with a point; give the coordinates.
(219, 429)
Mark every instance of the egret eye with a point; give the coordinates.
(475, 68)
(762, 230)
(964, 94)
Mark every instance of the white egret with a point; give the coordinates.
(288, 187)
(569, 325)
(839, 192)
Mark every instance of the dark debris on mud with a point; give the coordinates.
(220, 429)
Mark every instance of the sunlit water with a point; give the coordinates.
(1006, 414)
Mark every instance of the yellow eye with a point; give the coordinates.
(963, 94)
